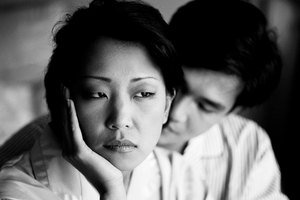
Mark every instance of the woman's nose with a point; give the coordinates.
(119, 115)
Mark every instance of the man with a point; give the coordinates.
(231, 62)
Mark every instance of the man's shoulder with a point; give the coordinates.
(238, 129)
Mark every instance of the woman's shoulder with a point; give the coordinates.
(16, 184)
(33, 129)
(37, 125)
(23, 140)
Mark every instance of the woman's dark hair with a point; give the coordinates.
(230, 37)
(130, 21)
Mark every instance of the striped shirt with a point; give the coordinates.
(236, 160)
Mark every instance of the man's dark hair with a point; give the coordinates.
(230, 37)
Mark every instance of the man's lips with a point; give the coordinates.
(122, 146)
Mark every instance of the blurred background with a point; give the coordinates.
(26, 44)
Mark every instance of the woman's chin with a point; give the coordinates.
(124, 165)
(124, 162)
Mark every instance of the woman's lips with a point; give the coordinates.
(122, 146)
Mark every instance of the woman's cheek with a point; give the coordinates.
(90, 121)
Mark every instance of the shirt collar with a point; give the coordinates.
(207, 144)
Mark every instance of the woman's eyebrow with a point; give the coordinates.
(106, 79)
(96, 77)
(143, 78)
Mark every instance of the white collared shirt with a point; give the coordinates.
(236, 160)
(41, 173)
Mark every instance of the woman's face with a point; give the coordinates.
(121, 102)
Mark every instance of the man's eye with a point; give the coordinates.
(145, 94)
(204, 108)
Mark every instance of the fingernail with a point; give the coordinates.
(66, 93)
(68, 103)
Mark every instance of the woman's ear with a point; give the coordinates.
(169, 99)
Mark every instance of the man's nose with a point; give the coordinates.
(179, 110)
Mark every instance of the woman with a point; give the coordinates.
(109, 86)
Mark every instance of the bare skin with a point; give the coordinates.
(106, 178)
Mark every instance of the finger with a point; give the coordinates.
(75, 132)
(80, 145)
(99, 171)
(67, 144)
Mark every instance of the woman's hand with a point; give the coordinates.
(106, 178)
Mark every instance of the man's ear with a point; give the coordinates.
(169, 99)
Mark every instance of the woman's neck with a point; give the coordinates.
(126, 179)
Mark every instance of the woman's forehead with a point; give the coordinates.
(114, 59)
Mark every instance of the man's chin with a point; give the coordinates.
(167, 137)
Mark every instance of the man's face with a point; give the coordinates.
(209, 98)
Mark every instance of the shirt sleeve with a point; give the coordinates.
(16, 185)
(255, 173)
(264, 177)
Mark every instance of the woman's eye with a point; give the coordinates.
(95, 95)
(144, 94)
